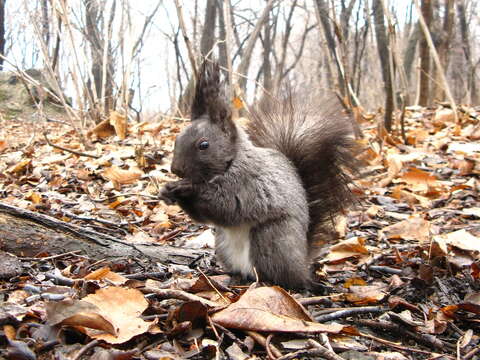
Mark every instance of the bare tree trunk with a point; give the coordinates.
(267, 49)
(464, 30)
(207, 41)
(222, 47)
(424, 99)
(383, 52)
(360, 41)
(2, 32)
(410, 50)
(102, 86)
(208, 35)
(324, 19)
(45, 22)
(444, 45)
(285, 40)
(247, 54)
(56, 50)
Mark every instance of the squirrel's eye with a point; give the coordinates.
(203, 145)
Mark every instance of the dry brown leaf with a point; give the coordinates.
(106, 274)
(20, 167)
(123, 308)
(414, 228)
(119, 122)
(353, 247)
(399, 193)
(419, 180)
(354, 281)
(122, 177)
(462, 240)
(34, 197)
(270, 309)
(3, 145)
(443, 115)
(119, 200)
(364, 295)
(78, 313)
(103, 130)
(394, 167)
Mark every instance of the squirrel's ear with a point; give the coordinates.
(209, 96)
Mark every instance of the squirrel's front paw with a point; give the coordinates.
(175, 190)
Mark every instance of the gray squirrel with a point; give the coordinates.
(268, 190)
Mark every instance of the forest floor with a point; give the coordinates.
(402, 279)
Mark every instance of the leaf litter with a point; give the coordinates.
(402, 278)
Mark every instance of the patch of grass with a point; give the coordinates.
(4, 95)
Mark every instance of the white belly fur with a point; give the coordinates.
(236, 248)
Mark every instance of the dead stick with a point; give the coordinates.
(84, 349)
(400, 347)
(69, 150)
(304, 354)
(263, 341)
(232, 337)
(48, 258)
(267, 347)
(326, 353)
(179, 294)
(315, 300)
(471, 353)
(350, 312)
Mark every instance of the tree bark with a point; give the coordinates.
(45, 22)
(102, 86)
(247, 54)
(208, 35)
(383, 52)
(424, 98)
(222, 47)
(207, 41)
(2, 32)
(409, 56)
(321, 7)
(444, 45)
(267, 50)
(26, 233)
(464, 30)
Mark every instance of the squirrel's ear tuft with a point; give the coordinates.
(209, 96)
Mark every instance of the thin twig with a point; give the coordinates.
(326, 353)
(350, 312)
(188, 44)
(84, 349)
(267, 347)
(179, 294)
(263, 341)
(400, 347)
(48, 258)
(78, 153)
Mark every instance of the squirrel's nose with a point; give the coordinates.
(177, 169)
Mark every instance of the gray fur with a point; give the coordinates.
(253, 195)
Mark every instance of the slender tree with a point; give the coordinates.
(424, 96)
(383, 53)
(2, 32)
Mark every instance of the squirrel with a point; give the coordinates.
(268, 190)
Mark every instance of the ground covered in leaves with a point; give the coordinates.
(402, 278)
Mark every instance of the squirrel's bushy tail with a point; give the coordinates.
(320, 145)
